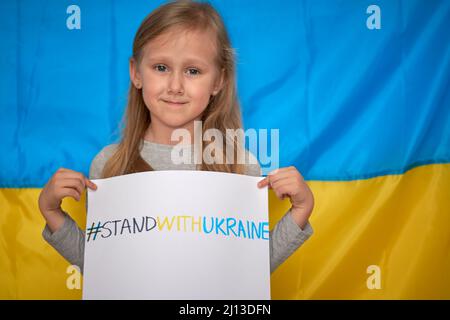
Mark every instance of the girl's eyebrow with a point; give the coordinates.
(188, 61)
(195, 61)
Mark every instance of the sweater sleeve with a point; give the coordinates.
(286, 237)
(68, 241)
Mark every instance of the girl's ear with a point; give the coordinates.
(134, 74)
(219, 82)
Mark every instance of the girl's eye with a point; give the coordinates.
(160, 68)
(193, 71)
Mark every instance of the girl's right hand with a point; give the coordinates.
(64, 183)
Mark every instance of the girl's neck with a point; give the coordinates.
(162, 135)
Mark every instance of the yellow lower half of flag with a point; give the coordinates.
(381, 238)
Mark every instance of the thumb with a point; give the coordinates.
(263, 183)
(90, 184)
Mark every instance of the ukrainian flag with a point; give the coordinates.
(359, 92)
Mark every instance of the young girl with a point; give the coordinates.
(182, 70)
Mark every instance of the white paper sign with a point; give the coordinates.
(177, 235)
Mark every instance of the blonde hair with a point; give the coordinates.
(222, 112)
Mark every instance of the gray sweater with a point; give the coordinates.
(284, 239)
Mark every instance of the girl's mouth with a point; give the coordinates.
(174, 103)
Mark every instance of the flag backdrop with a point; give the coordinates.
(360, 91)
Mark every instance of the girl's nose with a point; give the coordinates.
(175, 85)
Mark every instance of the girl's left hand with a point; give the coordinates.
(289, 182)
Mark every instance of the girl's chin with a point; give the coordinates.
(179, 122)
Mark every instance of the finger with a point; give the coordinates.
(273, 172)
(67, 173)
(290, 178)
(263, 183)
(279, 194)
(278, 174)
(283, 170)
(285, 173)
(286, 190)
(65, 170)
(80, 177)
(90, 184)
(70, 183)
(70, 192)
(274, 181)
(287, 181)
(268, 179)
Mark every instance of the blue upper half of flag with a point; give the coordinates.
(356, 91)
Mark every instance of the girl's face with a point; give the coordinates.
(178, 74)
